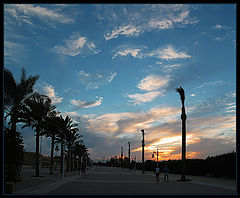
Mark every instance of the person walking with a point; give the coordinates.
(157, 174)
(166, 173)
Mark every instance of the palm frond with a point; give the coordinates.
(180, 90)
(9, 88)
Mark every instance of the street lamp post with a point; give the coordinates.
(135, 164)
(129, 154)
(41, 153)
(143, 151)
(56, 149)
(157, 156)
(63, 159)
(121, 156)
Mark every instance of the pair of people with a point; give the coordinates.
(165, 173)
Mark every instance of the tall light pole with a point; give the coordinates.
(41, 153)
(183, 118)
(157, 156)
(121, 156)
(143, 151)
(129, 154)
(135, 164)
(56, 161)
(63, 159)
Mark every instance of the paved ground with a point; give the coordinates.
(111, 180)
(44, 183)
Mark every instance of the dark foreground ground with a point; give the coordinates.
(115, 181)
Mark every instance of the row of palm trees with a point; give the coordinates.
(24, 105)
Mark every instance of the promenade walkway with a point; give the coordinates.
(112, 180)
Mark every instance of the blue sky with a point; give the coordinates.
(114, 70)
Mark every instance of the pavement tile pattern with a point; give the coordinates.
(119, 181)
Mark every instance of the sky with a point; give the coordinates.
(114, 69)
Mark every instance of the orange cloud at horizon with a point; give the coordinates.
(163, 131)
(168, 146)
(168, 155)
(131, 122)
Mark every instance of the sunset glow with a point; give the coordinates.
(114, 69)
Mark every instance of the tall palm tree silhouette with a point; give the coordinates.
(180, 90)
(50, 130)
(34, 114)
(65, 126)
(15, 93)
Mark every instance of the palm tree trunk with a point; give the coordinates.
(71, 162)
(80, 162)
(61, 169)
(52, 150)
(37, 165)
(75, 162)
(68, 162)
(183, 117)
(12, 171)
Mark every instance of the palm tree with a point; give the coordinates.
(71, 138)
(80, 151)
(183, 118)
(64, 126)
(76, 148)
(15, 93)
(51, 130)
(60, 138)
(34, 113)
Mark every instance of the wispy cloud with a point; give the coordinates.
(168, 53)
(49, 91)
(129, 50)
(127, 31)
(94, 80)
(161, 24)
(218, 26)
(153, 82)
(76, 45)
(85, 104)
(212, 84)
(170, 67)
(143, 98)
(125, 52)
(24, 12)
(15, 52)
(162, 17)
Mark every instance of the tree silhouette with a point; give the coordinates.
(71, 138)
(15, 93)
(34, 114)
(50, 130)
(80, 151)
(65, 126)
(183, 118)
